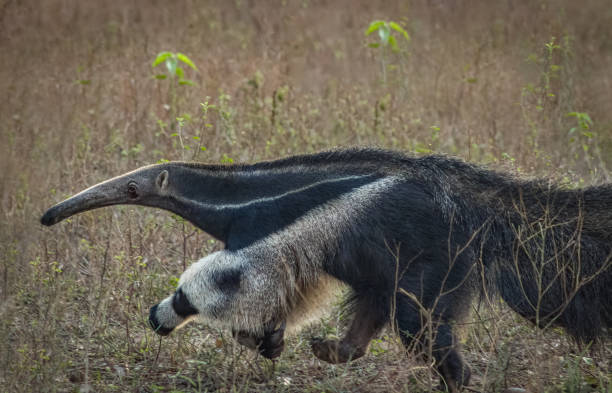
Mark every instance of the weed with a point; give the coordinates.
(387, 41)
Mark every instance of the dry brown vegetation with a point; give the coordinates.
(492, 82)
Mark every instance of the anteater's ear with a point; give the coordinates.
(162, 180)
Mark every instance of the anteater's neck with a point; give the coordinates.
(241, 204)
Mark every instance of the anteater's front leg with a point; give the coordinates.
(367, 322)
(270, 344)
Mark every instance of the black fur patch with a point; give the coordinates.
(228, 280)
(181, 304)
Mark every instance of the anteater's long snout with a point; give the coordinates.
(51, 216)
(100, 195)
(86, 200)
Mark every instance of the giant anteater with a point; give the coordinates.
(414, 237)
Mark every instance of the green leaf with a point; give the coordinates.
(161, 76)
(171, 65)
(180, 73)
(384, 33)
(186, 60)
(226, 159)
(400, 30)
(202, 148)
(374, 26)
(393, 43)
(187, 82)
(84, 81)
(420, 149)
(374, 45)
(161, 57)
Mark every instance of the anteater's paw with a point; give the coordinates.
(273, 343)
(272, 351)
(335, 351)
(269, 346)
(454, 373)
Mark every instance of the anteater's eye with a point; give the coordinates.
(132, 190)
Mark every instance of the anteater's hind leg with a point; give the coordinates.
(367, 322)
(416, 332)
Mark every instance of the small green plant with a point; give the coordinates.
(581, 133)
(171, 60)
(190, 131)
(540, 101)
(226, 159)
(176, 74)
(384, 30)
(387, 41)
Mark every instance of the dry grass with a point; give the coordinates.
(285, 77)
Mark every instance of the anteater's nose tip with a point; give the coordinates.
(155, 325)
(48, 218)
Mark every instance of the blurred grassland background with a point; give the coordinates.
(524, 86)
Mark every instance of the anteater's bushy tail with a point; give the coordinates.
(598, 225)
(557, 270)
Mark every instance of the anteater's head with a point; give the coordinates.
(206, 290)
(148, 186)
(171, 313)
